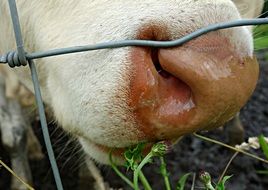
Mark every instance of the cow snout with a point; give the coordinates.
(199, 85)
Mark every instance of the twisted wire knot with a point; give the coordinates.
(13, 59)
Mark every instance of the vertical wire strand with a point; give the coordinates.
(43, 121)
(23, 61)
(17, 31)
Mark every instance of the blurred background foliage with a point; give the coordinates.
(261, 32)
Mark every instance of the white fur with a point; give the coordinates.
(88, 91)
(249, 8)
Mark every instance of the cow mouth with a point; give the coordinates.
(199, 85)
(117, 154)
(102, 152)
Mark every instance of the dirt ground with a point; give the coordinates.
(189, 155)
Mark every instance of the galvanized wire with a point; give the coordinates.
(13, 58)
(19, 57)
(43, 121)
(17, 31)
(148, 43)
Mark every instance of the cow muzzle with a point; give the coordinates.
(197, 86)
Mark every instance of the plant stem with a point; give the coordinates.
(227, 166)
(15, 175)
(144, 181)
(193, 184)
(138, 170)
(164, 173)
(122, 176)
(231, 147)
(209, 186)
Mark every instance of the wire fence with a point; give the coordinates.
(20, 58)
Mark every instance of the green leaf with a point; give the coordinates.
(118, 172)
(133, 156)
(221, 185)
(182, 181)
(264, 146)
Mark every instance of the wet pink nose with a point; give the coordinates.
(199, 85)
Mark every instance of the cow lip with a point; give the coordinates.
(119, 152)
(116, 152)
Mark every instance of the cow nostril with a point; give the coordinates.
(155, 59)
(158, 67)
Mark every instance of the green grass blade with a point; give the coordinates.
(260, 37)
(264, 146)
(221, 185)
(182, 181)
(262, 172)
(261, 43)
(260, 31)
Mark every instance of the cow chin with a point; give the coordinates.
(101, 153)
(107, 155)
